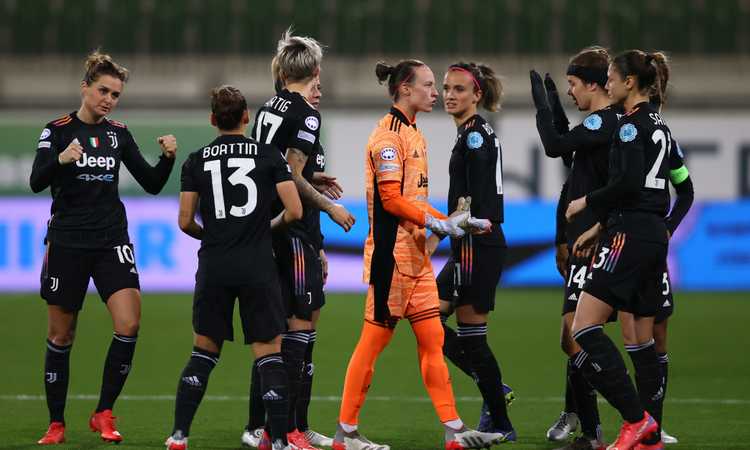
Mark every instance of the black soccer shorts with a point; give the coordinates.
(666, 300)
(300, 276)
(471, 275)
(577, 270)
(66, 272)
(626, 273)
(261, 310)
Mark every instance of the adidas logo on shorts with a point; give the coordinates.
(132, 270)
(573, 298)
(666, 304)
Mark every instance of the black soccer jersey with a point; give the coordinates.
(679, 176)
(86, 208)
(637, 195)
(287, 120)
(235, 178)
(589, 143)
(309, 225)
(476, 170)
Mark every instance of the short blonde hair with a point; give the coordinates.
(297, 58)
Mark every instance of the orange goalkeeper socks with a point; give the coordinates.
(429, 333)
(372, 341)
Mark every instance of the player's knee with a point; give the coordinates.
(62, 338)
(128, 327)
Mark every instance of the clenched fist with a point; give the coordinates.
(168, 145)
(72, 153)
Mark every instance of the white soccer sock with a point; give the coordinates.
(348, 428)
(456, 424)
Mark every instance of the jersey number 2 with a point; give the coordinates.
(665, 145)
(239, 176)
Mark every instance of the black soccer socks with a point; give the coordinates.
(257, 412)
(192, 386)
(56, 375)
(604, 368)
(452, 349)
(570, 399)
(472, 339)
(293, 348)
(305, 389)
(585, 401)
(116, 369)
(664, 365)
(649, 380)
(275, 394)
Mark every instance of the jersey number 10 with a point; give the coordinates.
(239, 176)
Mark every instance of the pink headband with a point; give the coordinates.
(473, 78)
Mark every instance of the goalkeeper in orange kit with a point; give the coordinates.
(396, 265)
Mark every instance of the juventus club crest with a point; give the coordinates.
(54, 283)
(112, 139)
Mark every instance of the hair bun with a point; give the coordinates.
(383, 71)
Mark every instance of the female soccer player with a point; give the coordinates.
(587, 146)
(468, 280)
(679, 177)
(327, 185)
(290, 122)
(396, 266)
(78, 157)
(236, 181)
(631, 255)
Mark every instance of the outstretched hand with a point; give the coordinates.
(554, 100)
(538, 92)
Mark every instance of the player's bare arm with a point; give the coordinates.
(585, 243)
(186, 216)
(292, 205)
(297, 160)
(327, 185)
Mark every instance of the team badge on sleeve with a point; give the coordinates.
(388, 154)
(312, 123)
(45, 134)
(593, 122)
(474, 140)
(628, 132)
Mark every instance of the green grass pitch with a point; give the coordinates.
(707, 402)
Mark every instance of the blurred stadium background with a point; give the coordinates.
(178, 50)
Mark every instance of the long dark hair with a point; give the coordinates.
(650, 69)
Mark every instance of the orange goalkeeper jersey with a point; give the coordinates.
(396, 152)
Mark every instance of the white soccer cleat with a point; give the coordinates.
(354, 441)
(667, 438)
(251, 438)
(177, 441)
(468, 438)
(563, 427)
(318, 439)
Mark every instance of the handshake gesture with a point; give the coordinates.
(459, 223)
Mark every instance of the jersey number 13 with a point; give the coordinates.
(239, 176)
